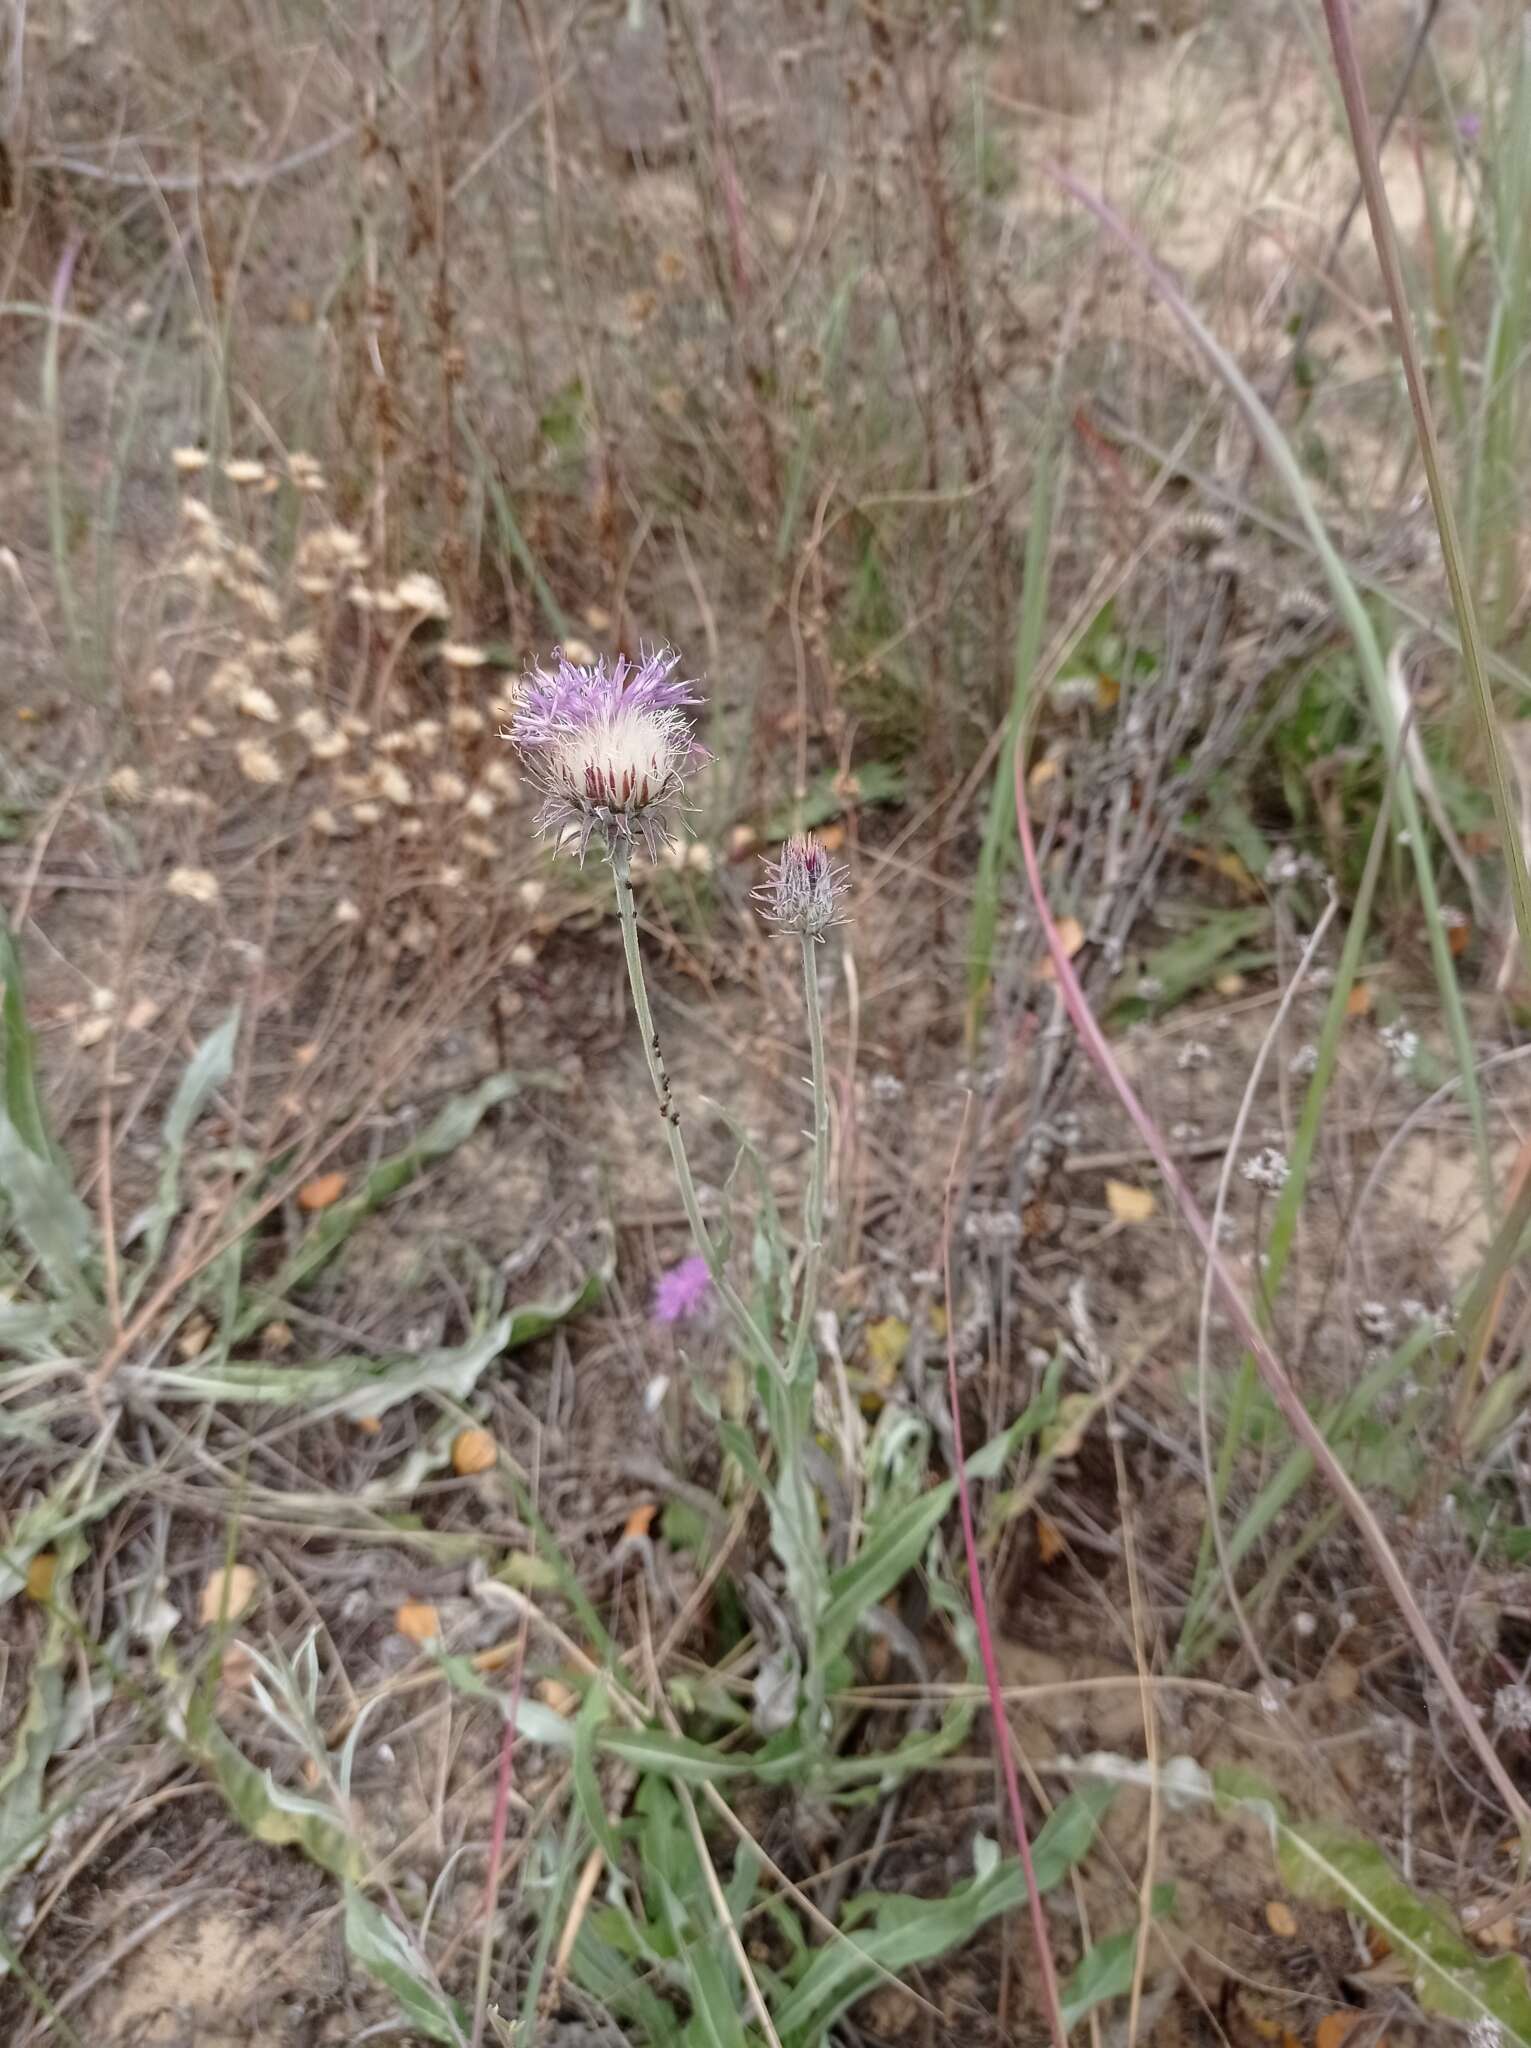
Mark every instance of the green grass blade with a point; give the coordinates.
(207, 1070)
(999, 831)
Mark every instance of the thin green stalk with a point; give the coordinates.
(818, 1178)
(58, 517)
(1289, 1202)
(705, 1243)
(1348, 66)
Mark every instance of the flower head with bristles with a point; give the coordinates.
(609, 746)
(802, 890)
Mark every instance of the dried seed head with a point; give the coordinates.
(421, 594)
(257, 763)
(610, 747)
(195, 885)
(802, 890)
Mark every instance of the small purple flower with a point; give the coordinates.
(609, 746)
(681, 1291)
(1470, 128)
(802, 890)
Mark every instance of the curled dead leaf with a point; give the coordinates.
(418, 1621)
(473, 1451)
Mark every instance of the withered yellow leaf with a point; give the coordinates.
(1129, 1204)
(887, 1339)
(41, 1573)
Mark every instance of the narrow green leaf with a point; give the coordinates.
(1106, 1968)
(456, 1122)
(885, 1556)
(356, 1386)
(207, 1070)
(592, 1717)
(23, 1814)
(269, 1812)
(387, 1953)
(906, 1931)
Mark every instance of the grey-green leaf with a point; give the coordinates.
(387, 1953)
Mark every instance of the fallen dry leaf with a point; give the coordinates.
(227, 1594)
(1342, 1681)
(1359, 1002)
(1458, 938)
(418, 1621)
(552, 1692)
(236, 1667)
(640, 1521)
(322, 1192)
(1280, 1919)
(1129, 1204)
(1335, 2028)
(1051, 1542)
(1489, 1925)
(1071, 937)
(473, 1450)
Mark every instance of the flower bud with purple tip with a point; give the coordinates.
(609, 746)
(802, 890)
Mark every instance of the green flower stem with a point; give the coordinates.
(818, 1181)
(705, 1243)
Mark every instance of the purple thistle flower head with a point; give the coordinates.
(609, 746)
(802, 890)
(681, 1291)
